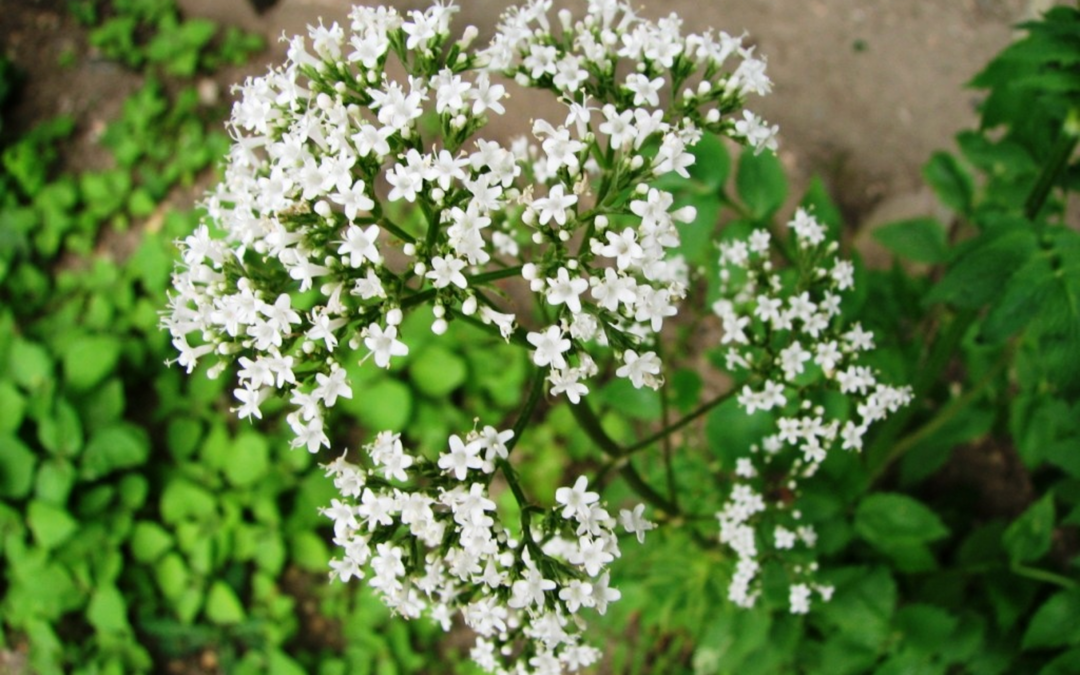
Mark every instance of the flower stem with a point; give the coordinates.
(1055, 165)
(591, 425)
(477, 279)
(675, 426)
(536, 389)
(946, 415)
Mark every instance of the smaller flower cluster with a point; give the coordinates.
(786, 340)
(428, 537)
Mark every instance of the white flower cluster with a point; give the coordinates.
(440, 550)
(352, 197)
(304, 210)
(787, 341)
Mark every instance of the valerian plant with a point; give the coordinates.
(353, 198)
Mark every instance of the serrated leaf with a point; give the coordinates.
(89, 359)
(984, 268)
(761, 183)
(222, 605)
(925, 627)
(890, 519)
(1028, 538)
(918, 239)
(1054, 623)
(951, 182)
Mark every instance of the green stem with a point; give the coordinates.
(477, 279)
(671, 428)
(591, 425)
(1055, 165)
(941, 352)
(536, 390)
(517, 337)
(1043, 575)
(665, 415)
(635, 481)
(396, 230)
(942, 418)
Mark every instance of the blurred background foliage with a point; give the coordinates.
(144, 529)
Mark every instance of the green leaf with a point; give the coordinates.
(107, 611)
(116, 447)
(13, 406)
(983, 268)
(761, 183)
(183, 499)
(55, 478)
(889, 519)
(172, 576)
(248, 459)
(50, 524)
(61, 433)
(686, 386)
(925, 627)
(951, 182)
(1055, 622)
(730, 431)
(1028, 538)
(863, 605)
(436, 371)
(182, 437)
(309, 551)
(385, 405)
(918, 239)
(1065, 664)
(222, 605)
(620, 394)
(89, 359)
(29, 364)
(16, 468)
(149, 541)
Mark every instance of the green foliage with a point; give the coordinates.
(151, 34)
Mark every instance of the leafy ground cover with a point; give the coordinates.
(143, 529)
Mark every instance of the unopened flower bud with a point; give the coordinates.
(439, 326)
(467, 36)
(393, 317)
